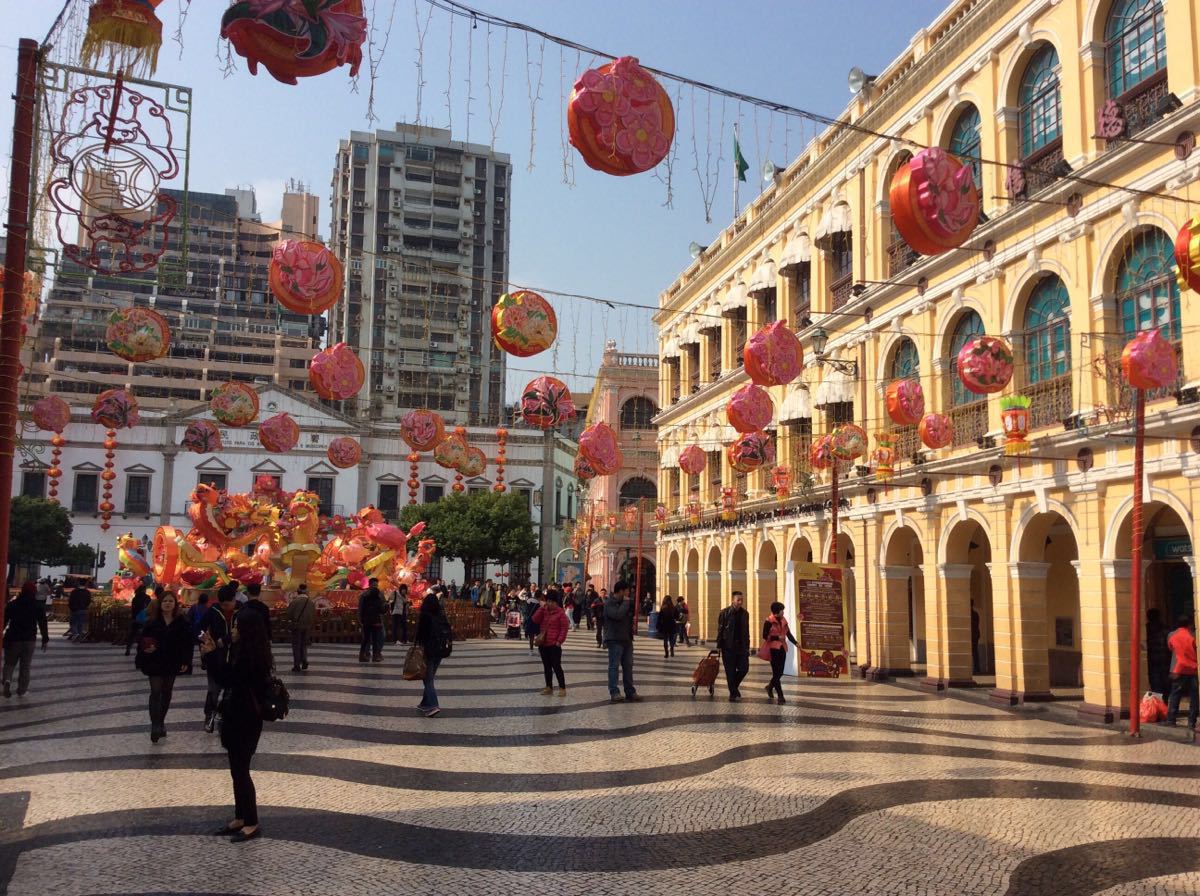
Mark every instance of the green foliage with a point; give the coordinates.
(39, 532)
(482, 526)
(79, 558)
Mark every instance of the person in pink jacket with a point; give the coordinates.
(552, 626)
(776, 635)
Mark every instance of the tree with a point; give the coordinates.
(39, 532)
(482, 526)
(78, 558)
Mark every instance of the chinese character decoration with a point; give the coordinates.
(781, 478)
(113, 409)
(934, 201)
(501, 454)
(128, 31)
(620, 118)
(52, 414)
(523, 323)
(1014, 416)
(728, 505)
(297, 38)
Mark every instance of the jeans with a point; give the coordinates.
(429, 698)
(737, 664)
(299, 648)
(400, 627)
(245, 799)
(552, 664)
(669, 642)
(213, 698)
(1179, 685)
(372, 642)
(18, 652)
(620, 652)
(599, 631)
(78, 625)
(161, 688)
(777, 660)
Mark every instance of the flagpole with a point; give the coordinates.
(737, 140)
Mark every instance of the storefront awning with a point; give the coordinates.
(762, 278)
(836, 219)
(797, 251)
(734, 299)
(691, 332)
(670, 457)
(670, 348)
(836, 387)
(797, 403)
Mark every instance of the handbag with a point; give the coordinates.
(539, 640)
(414, 664)
(764, 651)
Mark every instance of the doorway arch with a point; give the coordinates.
(1049, 655)
(970, 612)
(903, 648)
(766, 577)
(712, 593)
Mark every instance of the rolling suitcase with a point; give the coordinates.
(705, 675)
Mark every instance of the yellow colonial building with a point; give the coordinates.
(969, 568)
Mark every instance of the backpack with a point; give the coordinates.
(274, 703)
(443, 636)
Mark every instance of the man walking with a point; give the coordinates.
(733, 640)
(618, 635)
(371, 611)
(78, 602)
(1183, 672)
(24, 617)
(400, 615)
(596, 608)
(300, 613)
(589, 597)
(254, 603)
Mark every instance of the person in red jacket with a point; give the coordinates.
(552, 625)
(1183, 672)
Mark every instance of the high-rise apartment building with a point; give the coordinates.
(421, 224)
(212, 289)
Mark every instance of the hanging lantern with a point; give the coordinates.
(751, 451)
(1149, 361)
(629, 517)
(501, 452)
(279, 434)
(344, 452)
(305, 277)
(905, 402)
(694, 513)
(750, 409)
(523, 323)
(620, 118)
(1014, 416)
(336, 373)
(848, 442)
(583, 470)
(936, 431)
(773, 356)
(611, 523)
(106, 506)
(31, 295)
(598, 444)
(55, 472)
(884, 457)
(692, 460)
(934, 201)
(985, 364)
(660, 515)
(475, 462)
(728, 505)
(781, 478)
(137, 334)
(413, 482)
(820, 453)
(1187, 255)
(128, 32)
(422, 430)
(546, 402)
(202, 437)
(52, 414)
(450, 452)
(297, 38)
(115, 409)
(234, 404)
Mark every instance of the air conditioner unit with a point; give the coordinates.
(390, 390)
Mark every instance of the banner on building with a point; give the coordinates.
(820, 615)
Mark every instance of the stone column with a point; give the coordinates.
(1106, 678)
(363, 494)
(168, 484)
(957, 662)
(707, 621)
(1032, 657)
(892, 624)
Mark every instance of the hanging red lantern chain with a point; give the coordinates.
(413, 482)
(107, 506)
(501, 452)
(55, 472)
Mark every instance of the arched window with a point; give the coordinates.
(1040, 99)
(965, 142)
(1047, 332)
(637, 413)
(1135, 45)
(906, 363)
(900, 253)
(1147, 292)
(635, 489)
(970, 324)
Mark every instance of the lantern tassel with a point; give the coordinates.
(128, 31)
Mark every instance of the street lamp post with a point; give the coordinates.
(848, 368)
(568, 548)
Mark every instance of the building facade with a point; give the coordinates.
(421, 223)
(969, 568)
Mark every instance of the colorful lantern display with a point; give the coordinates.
(128, 32)
(583, 470)
(694, 511)
(501, 453)
(728, 505)
(820, 453)
(660, 515)
(115, 409)
(692, 460)
(201, 437)
(336, 373)
(31, 294)
(1187, 255)
(1014, 416)
(848, 441)
(1149, 361)
(344, 452)
(234, 404)
(422, 430)
(51, 413)
(279, 434)
(750, 409)
(297, 38)
(884, 457)
(546, 402)
(781, 478)
(905, 402)
(773, 356)
(523, 323)
(629, 517)
(598, 443)
(985, 364)
(305, 277)
(450, 452)
(474, 463)
(620, 118)
(934, 201)
(751, 451)
(137, 334)
(936, 431)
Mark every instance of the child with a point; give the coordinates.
(512, 624)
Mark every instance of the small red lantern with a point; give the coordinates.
(985, 364)
(781, 477)
(936, 431)
(694, 511)
(934, 201)
(413, 482)
(1014, 415)
(692, 460)
(279, 434)
(598, 444)
(751, 451)
(884, 457)
(773, 356)
(905, 402)
(1149, 361)
(305, 277)
(1187, 255)
(297, 39)
(620, 118)
(501, 455)
(336, 373)
(523, 323)
(750, 409)
(660, 515)
(422, 429)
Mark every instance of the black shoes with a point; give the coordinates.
(378, 658)
(616, 698)
(295, 668)
(210, 722)
(242, 836)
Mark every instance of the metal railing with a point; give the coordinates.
(840, 291)
(970, 421)
(1052, 401)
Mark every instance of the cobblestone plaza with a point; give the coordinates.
(852, 787)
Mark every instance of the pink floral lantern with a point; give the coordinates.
(523, 323)
(751, 451)
(336, 373)
(137, 334)
(750, 409)
(598, 444)
(905, 402)
(985, 364)
(934, 201)
(773, 356)
(1149, 361)
(422, 429)
(279, 434)
(849, 441)
(344, 452)
(546, 402)
(51, 414)
(305, 276)
(234, 404)
(620, 118)
(692, 460)
(936, 431)
(201, 437)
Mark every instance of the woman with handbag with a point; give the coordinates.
(246, 679)
(164, 651)
(667, 629)
(553, 626)
(433, 630)
(775, 635)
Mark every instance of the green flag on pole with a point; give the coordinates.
(739, 161)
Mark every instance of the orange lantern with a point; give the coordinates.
(1187, 255)
(422, 430)
(1014, 415)
(750, 409)
(728, 505)
(336, 373)
(692, 460)
(905, 402)
(234, 404)
(782, 479)
(137, 334)
(344, 452)
(305, 277)
(202, 437)
(936, 431)
(450, 452)
(413, 483)
(164, 554)
(620, 118)
(934, 201)
(751, 451)
(884, 457)
(848, 442)
(1149, 361)
(523, 323)
(773, 356)
(297, 39)
(128, 32)
(279, 434)
(598, 444)
(474, 462)
(820, 454)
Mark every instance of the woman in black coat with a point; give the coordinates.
(164, 651)
(666, 625)
(246, 679)
(431, 628)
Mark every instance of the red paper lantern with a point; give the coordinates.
(905, 402)
(115, 409)
(751, 451)
(1149, 361)
(985, 364)
(305, 277)
(336, 373)
(692, 460)
(51, 414)
(137, 334)
(848, 442)
(279, 434)
(936, 431)
(620, 118)
(202, 437)
(128, 32)
(820, 453)
(1014, 417)
(598, 443)
(773, 356)
(344, 452)
(523, 323)
(728, 505)
(546, 402)
(297, 40)
(501, 451)
(422, 430)
(694, 510)
(934, 201)
(1187, 255)
(781, 478)
(234, 404)
(750, 409)
(583, 470)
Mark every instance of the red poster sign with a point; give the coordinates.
(821, 622)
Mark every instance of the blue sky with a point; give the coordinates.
(602, 236)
